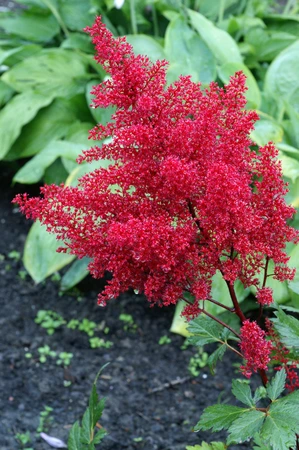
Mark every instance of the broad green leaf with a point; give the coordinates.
(17, 54)
(282, 75)
(55, 173)
(76, 273)
(51, 123)
(278, 431)
(211, 9)
(55, 72)
(219, 417)
(74, 440)
(290, 166)
(253, 94)
(101, 115)
(294, 262)
(220, 293)
(204, 331)
(33, 170)
(246, 426)
(293, 112)
(242, 392)
(6, 92)
(215, 357)
(288, 328)
(260, 443)
(83, 169)
(19, 111)
(268, 44)
(266, 130)
(146, 45)
(221, 44)
(281, 293)
(276, 385)
(30, 26)
(78, 41)
(87, 427)
(40, 256)
(206, 446)
(179, 323)
(289, 150)
(76, 14)
(187, 53)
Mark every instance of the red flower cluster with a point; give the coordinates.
(264, 296)
(281, 355)
(184, 196)
(255, 348)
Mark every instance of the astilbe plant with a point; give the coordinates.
(185, 196)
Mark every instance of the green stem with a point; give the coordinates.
(221, 11)
(288, 6)
(133, 17)
(155, 22)
(57, 16)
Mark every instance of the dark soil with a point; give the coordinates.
(138, 364)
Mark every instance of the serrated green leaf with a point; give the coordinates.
(27, 105)
(221, 44)
(276, 385)
(277, 433)
(215, 357)
(260, 443)
(87, 428)
(54, 72)
(99, 436)
(242, 392)
(204, 331)
(96, 406)
(40, 256)
(246, 426)
(219, 417)
(288, 328)
(206, 446)
(74, 440)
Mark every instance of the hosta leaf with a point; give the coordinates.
(219, 417)
(290, 167)
(6, 92)
(242, 392)
(276, 385)
(266, 130)
(101, 115)
(246, 426)
(76, 273)
(30, 26)
(54, 72)
(26, 105)
(215, 357)
(288, 328)
(51, 123)
(221, 44)
(146, 45)
(34, 170)
(40, 256)
(74, 440)
(187, 53)
(76, 14)
(294, 262)
(204, 331)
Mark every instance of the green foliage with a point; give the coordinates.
(49, 320)
(206, 446)
(23, 439)
(44, 353)
(45, 420)
(99, 343)
(129, 324)
(85, 437)
(198, 362)
(164, 340)
(64, 359)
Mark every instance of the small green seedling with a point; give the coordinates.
(88, 327)
(64, 359)
(197, 362)
(85, 436)
(96, 342)
(23, 439)
(45, 420)
(16, 256)
(129, 324)
(22, 274)
(56, 277)
(138, 439)
(73, 324)
(45, 352)
(49, 320)
(164, 340)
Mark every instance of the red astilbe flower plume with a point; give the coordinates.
(184, 195)
(255, 348)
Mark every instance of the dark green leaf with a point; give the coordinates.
(78, 41)
(30, 26)
(206, 446)
(277, 433)
(55, 173)
(288, 328)
(54, 72)
(26, 105)
(6, 92)
(74, 440)
(96, 407)
(87, 428)
(245, 426)
(76, 14)
(204, 331)
(215, 357)
(101, 115)
(276, 385)
(219, 417)
(99, 436)
(242, 392)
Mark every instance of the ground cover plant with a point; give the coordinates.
(155, 217)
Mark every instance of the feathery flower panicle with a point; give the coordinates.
(191, 198)
(255, 348)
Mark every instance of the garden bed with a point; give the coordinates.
(152, 400)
